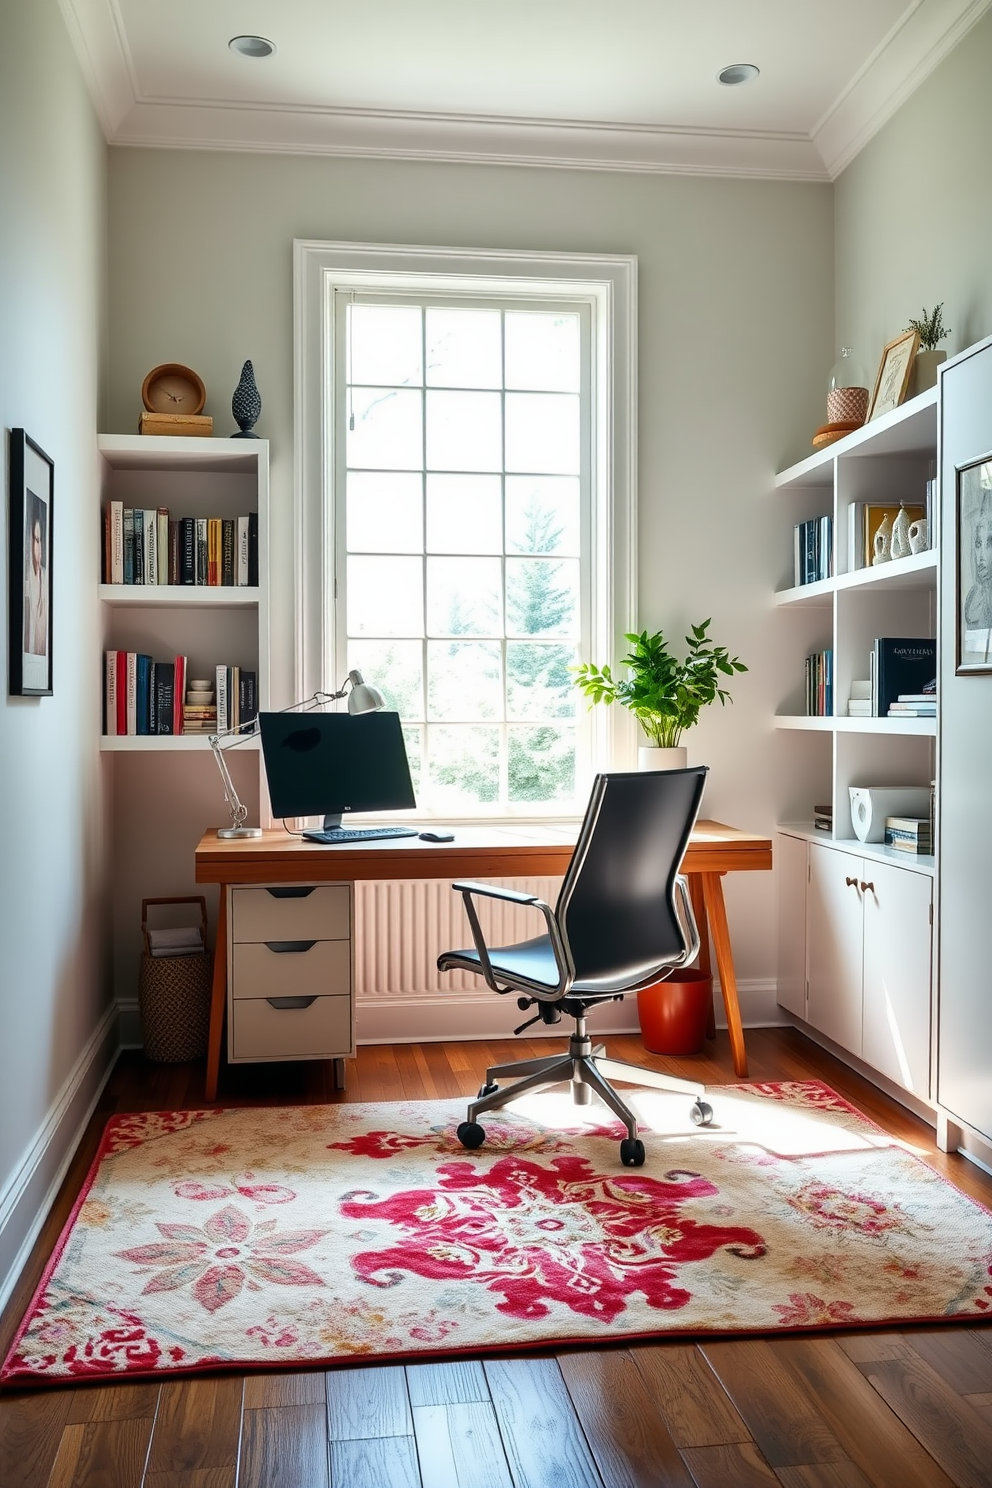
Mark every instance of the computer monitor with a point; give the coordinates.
(327, 764)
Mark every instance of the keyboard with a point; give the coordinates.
(359, 834)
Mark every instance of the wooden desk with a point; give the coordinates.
(476, 852)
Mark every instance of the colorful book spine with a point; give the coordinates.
(201, 561)
(131, 692)
(150, 519)
(165, 672)
(220, 699)
(242, 549)
(187, 550)
(173, 570)
(214, 554)
(138, 536)
(227, 550)
(116, 571)
(121, 692)
(253, 550)
(142, 693)
(127, 528)
(178, 693)
(110, 694)
(162, 543)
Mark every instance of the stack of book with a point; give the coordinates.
(237, 698)
(901, 666)
(199, 711)
(145, 546)
(820, 684)
(823, 818)
(141, 695)
(859, 702)
(813, 550)
(921, 704)
(910, 834)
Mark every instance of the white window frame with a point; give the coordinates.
(324, 274)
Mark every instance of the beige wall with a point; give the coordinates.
(736, 325)
(54, 991)
(914, 212)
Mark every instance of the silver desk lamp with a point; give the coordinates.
(362, 698)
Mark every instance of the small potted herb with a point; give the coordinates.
(931, 329)
(664, 694)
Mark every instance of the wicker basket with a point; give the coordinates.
(174, 995)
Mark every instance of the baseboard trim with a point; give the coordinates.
(130, 1023)
(914, 1103)
(30, 1192)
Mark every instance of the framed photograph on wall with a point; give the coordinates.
(894, 371)
(32, 488)
(973, 562)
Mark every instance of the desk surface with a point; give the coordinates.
(512, 851)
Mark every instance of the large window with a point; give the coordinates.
(467, 515)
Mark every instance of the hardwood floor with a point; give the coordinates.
(904, 1409)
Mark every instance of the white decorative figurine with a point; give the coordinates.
(919, 536)
(899, 545)
(882, 541)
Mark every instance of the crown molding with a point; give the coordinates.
(903, 60)
(911, 51)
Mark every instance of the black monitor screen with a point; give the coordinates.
(322, 764)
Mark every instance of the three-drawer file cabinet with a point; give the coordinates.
(289, 974)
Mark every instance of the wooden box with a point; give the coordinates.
(200, 424)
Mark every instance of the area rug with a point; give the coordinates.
(311, 1235)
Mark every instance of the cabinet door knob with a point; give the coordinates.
(852, 883)
(866, 886)
(285, 947)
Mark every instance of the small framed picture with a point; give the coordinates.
(32, 486)
(894, 372)
(973, 562)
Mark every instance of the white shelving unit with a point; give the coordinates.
(856, 918)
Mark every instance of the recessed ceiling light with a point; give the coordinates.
(738, 72)
(252, 46)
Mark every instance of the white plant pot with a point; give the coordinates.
(649, 758)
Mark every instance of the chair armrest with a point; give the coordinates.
(492, 891)
(687, 921)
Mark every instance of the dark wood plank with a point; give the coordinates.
(618, 1415)
(284, 1447)
(862, 1348)
(954, 1435)
(451, 1383)
(302, 1387)
(692, 1401)
(459, 1446)
(200, 1477)
(735, 1465)
(198, 1426)
(543, 1440)
(381, 1462)
(31, 1427)
(117, 1402)
(823, 1475)
(962, 1360)
(785, 1423)
(871, 1435)
(101, 1454)
(366, 1403)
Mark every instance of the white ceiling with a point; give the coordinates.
(622, 85)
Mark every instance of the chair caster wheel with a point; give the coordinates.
(702, 1113)
(470, 1134)
(488, 1089)
(632, 1152)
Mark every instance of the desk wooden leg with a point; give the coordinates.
(699, 910)
(218, 998)
(716, 913)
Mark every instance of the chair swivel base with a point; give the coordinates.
(589, 1073)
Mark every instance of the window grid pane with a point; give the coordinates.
(490, 710)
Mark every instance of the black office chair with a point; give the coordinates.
(623, 921)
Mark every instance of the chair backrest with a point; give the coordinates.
(616, 909)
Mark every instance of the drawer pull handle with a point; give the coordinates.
(866, 886)
(852, 883)
(293, 891)
(287, 947)
(284, 1003)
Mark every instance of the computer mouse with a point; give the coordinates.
(437, 836)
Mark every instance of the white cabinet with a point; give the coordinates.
(290, 974)
(863, 926)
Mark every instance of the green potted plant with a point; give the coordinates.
(664, 693)
(930, 329)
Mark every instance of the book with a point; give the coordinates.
(162, 543)
(227, 546)
(900, 664)
(127, 538)
(220, 693)
(241, 577)
(152, 699)
(910, 825)
(247, 701)
(178, 693)
(138, 539)
(131, 691)
(187, 550)
(253, 550)
(142, 694)
(172, 576)
(200, 564)
(150, 517)
(164, 674)
(110, 694)
(895, 711)
(855, 536)
(121, 691)
(214, 545)
(919, 697)
(115, 573)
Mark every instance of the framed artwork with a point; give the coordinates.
(32, 485)
(973, 563)
(894, 372)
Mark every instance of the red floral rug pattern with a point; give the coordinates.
(312, 1234)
